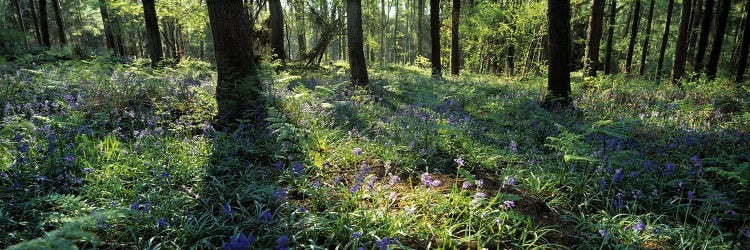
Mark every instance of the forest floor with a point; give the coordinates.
(106, 154)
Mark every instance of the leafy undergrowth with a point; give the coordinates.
(98, 154)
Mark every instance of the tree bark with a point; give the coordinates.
(633, 36)
(435, 37)
(647, 39)
(680, 54)
(238, 92)
(664, 40)
(703, 40)
(558, 79)
(721, 27)
(420, 26)
(37, 34)
(455, 48)
(277, 29)
(109, 37)
(694, 25)
(744, 47)
(152, 31)
(44, 24)
(59, 21)
(357, 63)
(610, 37)
(593, 39)
(301, 37)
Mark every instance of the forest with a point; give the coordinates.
(374, 124)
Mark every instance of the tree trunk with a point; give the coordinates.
(37, 34)
(744, 46)
(591, 60)
(721, 27)
(357, 63)
(109, 37)
(455, 49)
(558, 77)
(395, 33)
(420, 17)
(277, 29)
(19, 19)
(703, 40)
(301, 38)
(238, 92)
(612, 22)
(511, 52)
(664, 40)
(152, 31)
(44, 24)
(633, 36)
(644, 51)
(435, 38)
(59, 21)
(695, 18)
(680, 52)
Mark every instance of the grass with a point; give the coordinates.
(105, 154)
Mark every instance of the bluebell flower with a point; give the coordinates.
(113, 203)
(161, 222)
(87, 170)
(227, 210)
(511, 181)
(604, 234)
(135, 205)
(466, 185)
(357, 235)
(298, 169)
(266, 217)
(394, 179)
(281, 243)
(513, 146)
(357, 151)
(690, 195)
(639, 226)
(279, 165)
(618, 176)
(459, 161)
(239, 242)
(385, 242)
(279, 194)
(165, 175)
(508, 204)
(479, 183)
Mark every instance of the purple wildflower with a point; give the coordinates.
(227, 210)
(357, 235)
(239, 242)
(281, 243)
(604, 234)
(394, 179)
(266, 217)
(479, 183)
(384, 243)
(162, 222)
(298, 169)
(87, 170)
(618, 176)
(459, 161)
(513, 146)
(466, 184)
(279, 165)
(639, 226)
(508, 204)
(357, 151)
(481, 195)
(690, 195)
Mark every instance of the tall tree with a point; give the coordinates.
(357, 63)
(680, 51)
(19, 19)
(152, 31)
(633, 36)
(610, 37)
(37, 33)
(238, 91)
(108, 36)
(420, 26)
(44, 24)
(59, 22)
(277, 29)
(558, 76)
(455, 48)
(647, 39)
(744, 47)
(435, 37)
(703, 40)
(721, 27)
(664, 40)
(593, 39)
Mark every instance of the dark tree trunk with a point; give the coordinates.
(511, 53)
(301, 38)
(633, 36)
(435, 37)
(37, 34)
(703, 40)
(664, 40)
(357, 63)
(19, 19)
(558, 79)
(238, 92)
(610, 37)
(59, 21)
(109, 37)
(44, 24)
(420, 26)
(593, 39)
(695, 18)
(680, 51)
(647, 39)
(277, 29)
(455, 49)
(721, 27)
(744, 46)
(152, 31)
(117, 31)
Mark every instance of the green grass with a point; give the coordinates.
(118, 155)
